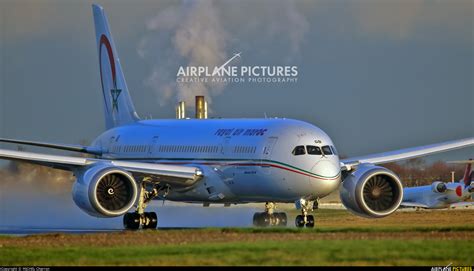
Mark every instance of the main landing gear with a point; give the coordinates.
(140, 218)
(133, 221)
(269, 217)
(304, 219)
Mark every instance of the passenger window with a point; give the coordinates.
(299, 150)
(314, 150)
(327, 150)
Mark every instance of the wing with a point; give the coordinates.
(66, 147)
(403, 154)
(172, 174)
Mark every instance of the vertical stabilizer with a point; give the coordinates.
(118, 106)
(467, 174)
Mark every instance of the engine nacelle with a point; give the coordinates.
(372, 191)
(438, 187)
(104, 190)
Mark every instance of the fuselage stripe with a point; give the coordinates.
(289, 169)
(275, 165)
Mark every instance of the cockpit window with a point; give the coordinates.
(327, 150)
(298, 150)
(334, 150)
(314, 150)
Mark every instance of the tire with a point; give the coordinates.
(282, 219)
(131, 221)
(299, 221)
(153, 220)
(265, 220)
(256, 219)
(310, 221)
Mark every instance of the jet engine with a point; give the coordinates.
(104, 190)
(371, 191)
(438, 187)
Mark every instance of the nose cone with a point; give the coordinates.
(326, 168)
(328, 175)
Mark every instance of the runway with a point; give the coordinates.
(202, 218)
(29, 231)
(24, 231)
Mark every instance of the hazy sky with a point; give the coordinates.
(375, 75)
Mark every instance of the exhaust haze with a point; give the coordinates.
(36, 197)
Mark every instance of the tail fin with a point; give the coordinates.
(467, 174)
(118, 107)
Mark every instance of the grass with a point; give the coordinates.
(420, 246)
(314, 252)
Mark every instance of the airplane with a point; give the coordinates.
(440, 195)
(210, 161)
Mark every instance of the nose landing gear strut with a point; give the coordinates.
(304, 219)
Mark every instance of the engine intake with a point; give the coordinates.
(372, 191)
(114, 191)
(439, 187)
(105, 191)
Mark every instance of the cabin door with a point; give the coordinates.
(267, 153)
(153, 148)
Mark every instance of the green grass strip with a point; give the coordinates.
(314, 252)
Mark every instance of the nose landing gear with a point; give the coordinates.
(269, 217)
(304, 219)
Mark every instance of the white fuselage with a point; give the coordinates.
(424, 195)
(244, 160)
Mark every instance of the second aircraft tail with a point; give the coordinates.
(467, 178)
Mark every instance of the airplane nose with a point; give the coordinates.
(329, 177)
(326, 169)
